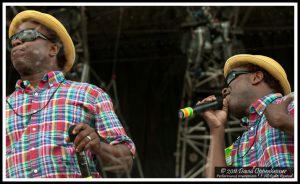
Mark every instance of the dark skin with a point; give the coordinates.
(36, 58)
(29, 58)
(279, 117)
(110, 155)
(238, 96)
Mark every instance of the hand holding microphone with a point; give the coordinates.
(81, 157)
(215, 118)
(84, 137)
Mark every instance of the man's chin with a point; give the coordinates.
(24, 70)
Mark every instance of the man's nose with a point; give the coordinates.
(16, 42)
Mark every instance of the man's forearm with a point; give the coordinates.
(286, 124)
(216, 153)
(116, 157)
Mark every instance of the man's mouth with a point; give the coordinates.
(17, 51)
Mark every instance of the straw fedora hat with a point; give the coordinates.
(267, 63)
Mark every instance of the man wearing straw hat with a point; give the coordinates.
(45, 105)
(258, 92)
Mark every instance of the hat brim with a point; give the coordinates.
(51, 23)
(270, 65)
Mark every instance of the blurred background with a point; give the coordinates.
(154, 60)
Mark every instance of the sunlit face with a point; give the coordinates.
(29, 57)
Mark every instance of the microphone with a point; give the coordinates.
(81, 157)
(189, 111)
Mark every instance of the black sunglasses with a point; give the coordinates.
(26, 35)
(234, 74)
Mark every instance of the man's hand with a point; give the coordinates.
(117, 157)
(215, 118)
(279, 117)
(86, 139)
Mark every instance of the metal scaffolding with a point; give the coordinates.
(111, 88)
(206, 54)
(193, 139)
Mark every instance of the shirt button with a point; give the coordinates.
(36, 94)
(252, 148)
(251, 128)
(35, 171)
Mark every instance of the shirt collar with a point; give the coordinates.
(258, 107)
(51, 78)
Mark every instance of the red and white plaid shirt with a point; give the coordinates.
(35, 144)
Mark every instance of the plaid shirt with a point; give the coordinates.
(35, 145)
(262, 145)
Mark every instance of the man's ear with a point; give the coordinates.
(54, 49)
(257, 77)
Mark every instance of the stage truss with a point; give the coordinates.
(208, 42)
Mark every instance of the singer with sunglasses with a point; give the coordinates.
(259, 94)
(44, 105)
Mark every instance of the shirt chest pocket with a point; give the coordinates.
(71, 112)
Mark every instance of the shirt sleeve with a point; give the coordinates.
(291, 105)
(228, 155)
(108, 124)
(291, 109)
